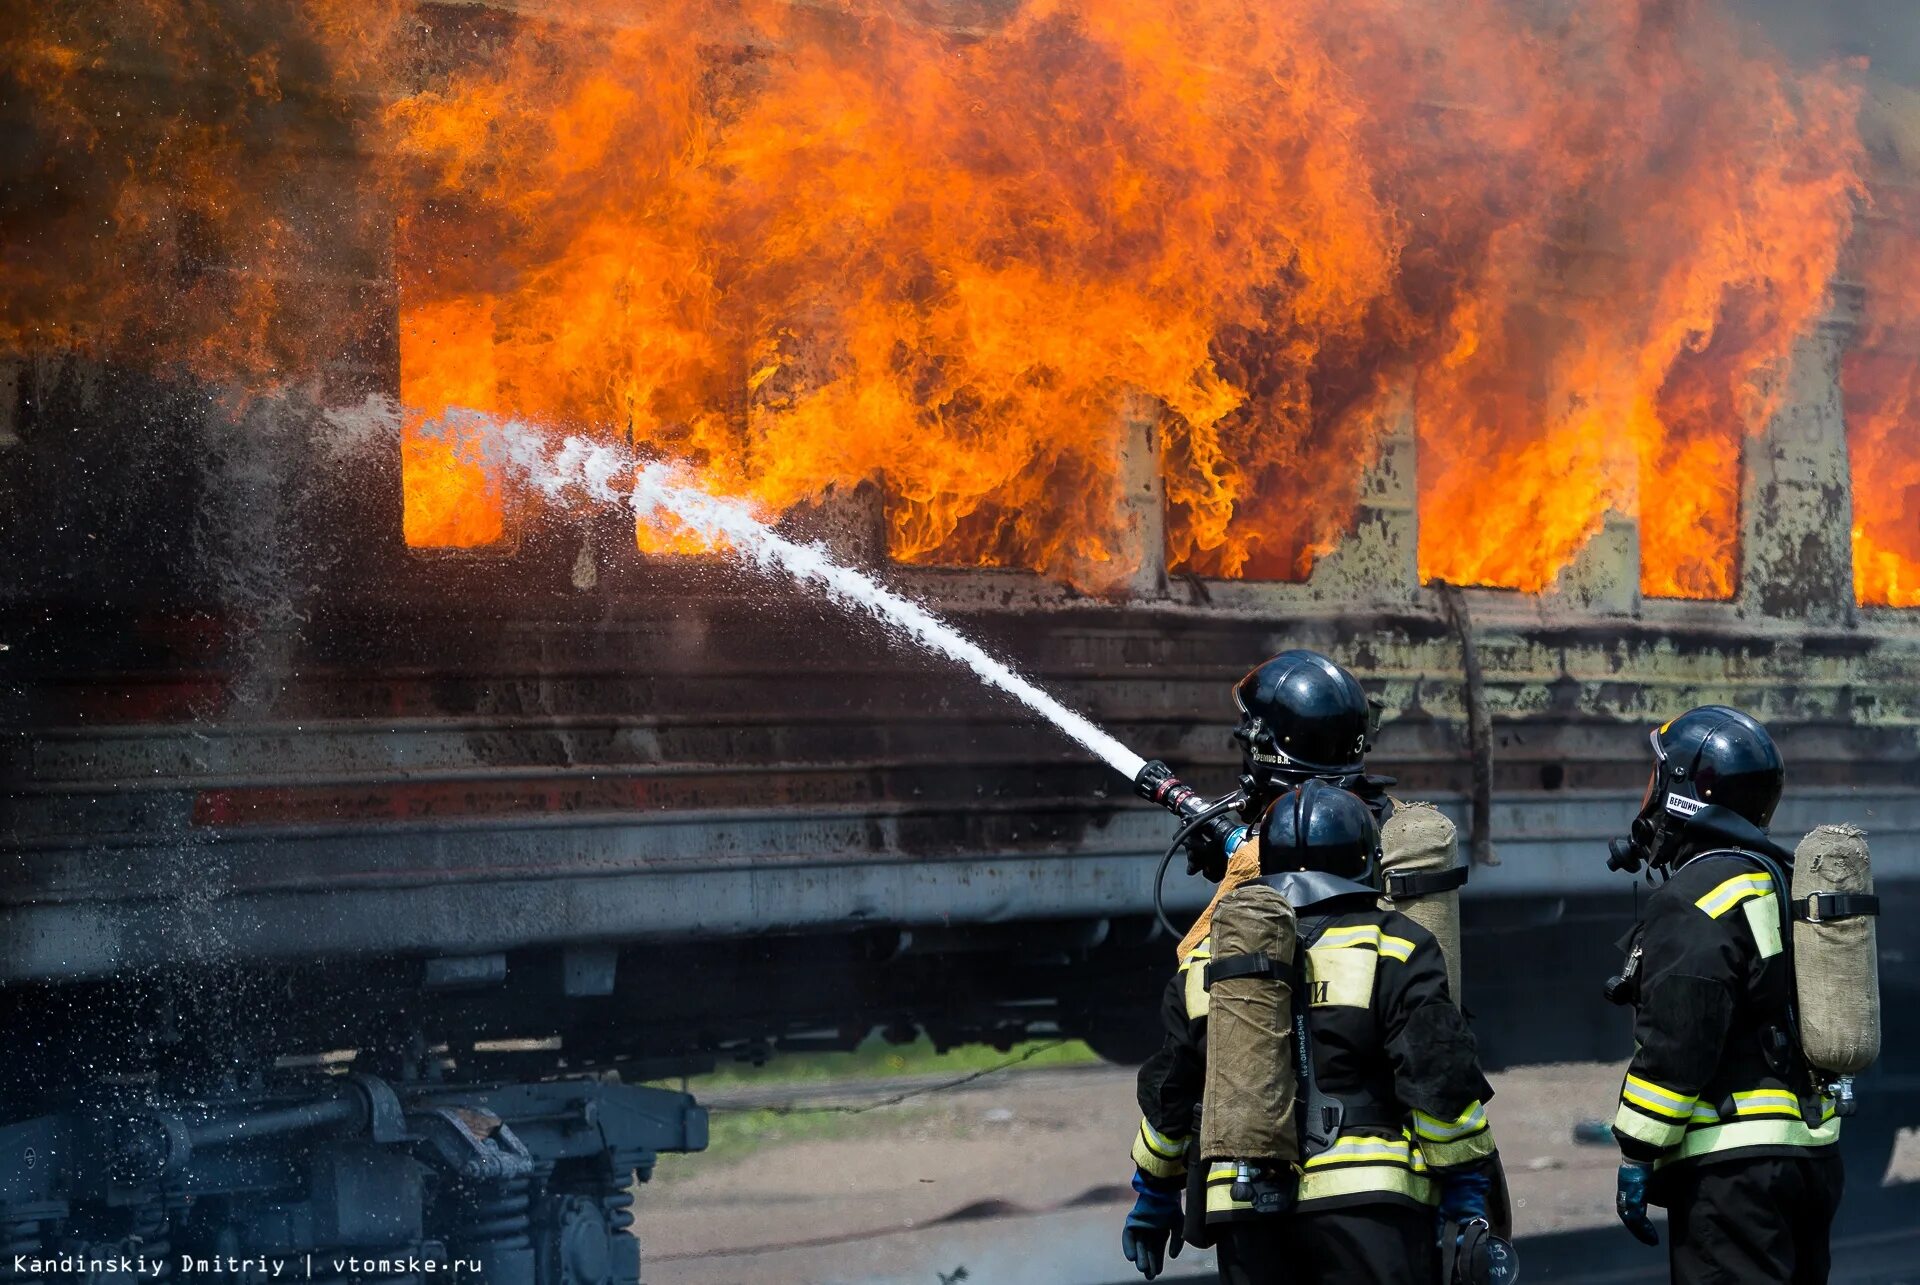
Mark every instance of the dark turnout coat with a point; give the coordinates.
(1387, 1042)
(1716, 1071)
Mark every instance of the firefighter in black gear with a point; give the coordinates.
(1720, 1119)
(1391, 1056)
(1301, 717)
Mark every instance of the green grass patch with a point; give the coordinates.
(735, 1134)
(876, 1059)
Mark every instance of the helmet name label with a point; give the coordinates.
(1681, 806)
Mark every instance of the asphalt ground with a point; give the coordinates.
(1020, 1178)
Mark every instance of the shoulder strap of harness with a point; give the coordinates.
(1790, 1062)
(1321, 1114)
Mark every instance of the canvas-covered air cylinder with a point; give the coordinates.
(1418, 840)
(1836, 970)
(1248, 1099)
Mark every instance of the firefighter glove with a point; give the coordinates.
(1463, 1196)
(1152, 1233)
(1630, 1201)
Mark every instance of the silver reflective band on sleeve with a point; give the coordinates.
(1157, 1155)
(1651, 1130)
(1656, 1100)
(1449, 1144)
(1731, 892)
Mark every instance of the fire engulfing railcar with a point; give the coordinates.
(437, 839)
(374, 836)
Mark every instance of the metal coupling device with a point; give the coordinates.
(1207, 824)
(1156, 783)
(1845, 1103)
(1261, 1187)
(1624, 987)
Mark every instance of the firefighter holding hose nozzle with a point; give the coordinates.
(1301, 717)
(1752, 977)
(1317, 1098)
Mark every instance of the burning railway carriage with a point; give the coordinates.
(284, 791)
(338, 871)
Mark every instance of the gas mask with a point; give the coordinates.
(1646, 843)
(1643, 835)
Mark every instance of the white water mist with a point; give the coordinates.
(597, 470)
(657, 488)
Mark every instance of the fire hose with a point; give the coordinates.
(1156, 783)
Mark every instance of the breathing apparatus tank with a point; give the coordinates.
(1835, 966)
(1251, 1078)
(1421, 876)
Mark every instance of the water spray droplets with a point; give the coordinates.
(661, 494)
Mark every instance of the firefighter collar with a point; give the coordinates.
(1714, 828)
(1307, 889)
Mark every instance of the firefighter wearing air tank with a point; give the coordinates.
(1728, 1114)
(1340, 1166)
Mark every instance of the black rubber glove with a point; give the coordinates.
(1210, 846)
(1152, 1233)
(1630, 1201)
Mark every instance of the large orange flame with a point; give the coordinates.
(953, 247)
(865, 247)
(1881, 386)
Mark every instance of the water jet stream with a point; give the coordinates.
(660, 490)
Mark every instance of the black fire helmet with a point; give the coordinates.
(1302, 716)
(1710, 755)
(1320, 827)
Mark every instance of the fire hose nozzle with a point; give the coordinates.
(1208, 823)
(1157, 784)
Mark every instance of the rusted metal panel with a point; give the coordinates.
(230, 686)
(432, 889)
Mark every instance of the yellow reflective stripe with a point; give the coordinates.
(1356, 1150)
(1159, 1143)
(1199, 998)
(1655, 1100)
(1361, 1148)
(1431, 1128)
(1766, 1102)
(1652, 1130)
(1359, 1180)
(1763, 918)
(1352, 935)
(1448, 1143)
(1154, 1162)
(1194, 969)
(1449, 1155)
(1782, 1097)
(1756, 1104)
(1736, 1135)
(1730, 893)
(1356, 935)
